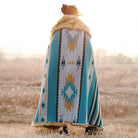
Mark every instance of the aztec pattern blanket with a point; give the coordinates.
(69, 90)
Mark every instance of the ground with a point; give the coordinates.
(20, 82)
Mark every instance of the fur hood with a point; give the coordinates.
(70, 22)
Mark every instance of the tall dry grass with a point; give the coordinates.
(20, 84)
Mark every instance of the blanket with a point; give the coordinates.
(69, 89)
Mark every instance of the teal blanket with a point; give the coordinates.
(69, 90)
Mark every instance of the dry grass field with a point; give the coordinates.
(20, 82)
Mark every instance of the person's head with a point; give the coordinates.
(70, 10)
(70, 20)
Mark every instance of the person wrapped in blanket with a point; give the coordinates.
(69, 90)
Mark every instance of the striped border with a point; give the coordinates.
(94, 98)
(81, 70)
(93, 114)
(91, 72)
(97, 112)
(58, 74)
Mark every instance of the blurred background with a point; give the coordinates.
(25, 27)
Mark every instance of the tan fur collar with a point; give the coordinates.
(70, 22)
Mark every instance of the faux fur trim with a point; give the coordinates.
(70, 22)
(60, 124)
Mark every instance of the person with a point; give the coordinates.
(69, 90)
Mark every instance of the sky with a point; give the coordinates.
(25, 25)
